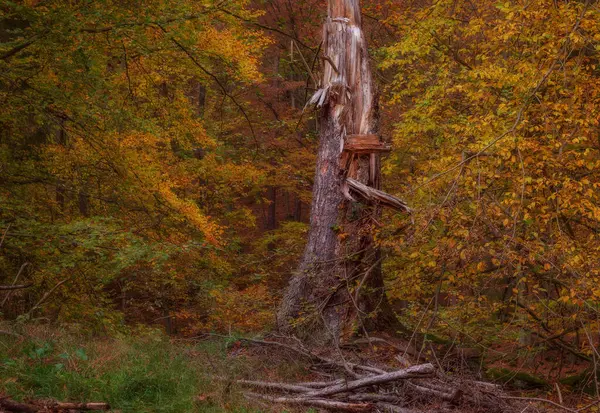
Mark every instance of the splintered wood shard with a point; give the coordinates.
(375, 195)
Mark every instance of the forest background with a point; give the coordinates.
(157, 161)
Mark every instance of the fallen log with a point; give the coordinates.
(10, 405)
(13, 406)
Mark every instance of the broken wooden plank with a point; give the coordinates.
(375, 195)
(368, 143)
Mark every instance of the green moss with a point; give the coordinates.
(436, 339)
(583, 382)
(517, 379)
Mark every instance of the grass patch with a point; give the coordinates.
(146, 373)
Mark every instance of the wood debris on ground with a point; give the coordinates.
(360, 387)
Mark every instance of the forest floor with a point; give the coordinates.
(150, 372)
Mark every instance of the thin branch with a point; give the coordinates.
(18, 48)
(217, 81)
(308, 69)
(333, 66)
(48, 294)
(4, 235)
(13, 283)
(294, 388)
(539, 399)
(262, 26)
(187, 17)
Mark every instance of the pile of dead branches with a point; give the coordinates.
(365, 388)
(48, 406)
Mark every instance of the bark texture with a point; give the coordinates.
(338, 286)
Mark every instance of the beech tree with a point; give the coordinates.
(338, 287)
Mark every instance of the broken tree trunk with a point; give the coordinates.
(338, 287)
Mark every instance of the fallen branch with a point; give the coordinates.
(540, 400)
(79, 406)
(322, 403)
(321, 384)
(10, 405)
(436, 393)
(15, 287)
(294, 388)
(423, 370)
(392, 408)
(375, 397)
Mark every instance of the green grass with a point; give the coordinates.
(148, 373)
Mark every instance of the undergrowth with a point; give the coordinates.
(139, 373)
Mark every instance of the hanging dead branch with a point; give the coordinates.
(370, 194)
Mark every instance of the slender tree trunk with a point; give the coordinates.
(338, 288)
(271, 223)
(60, 184)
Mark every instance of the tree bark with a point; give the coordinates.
(338, 288)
